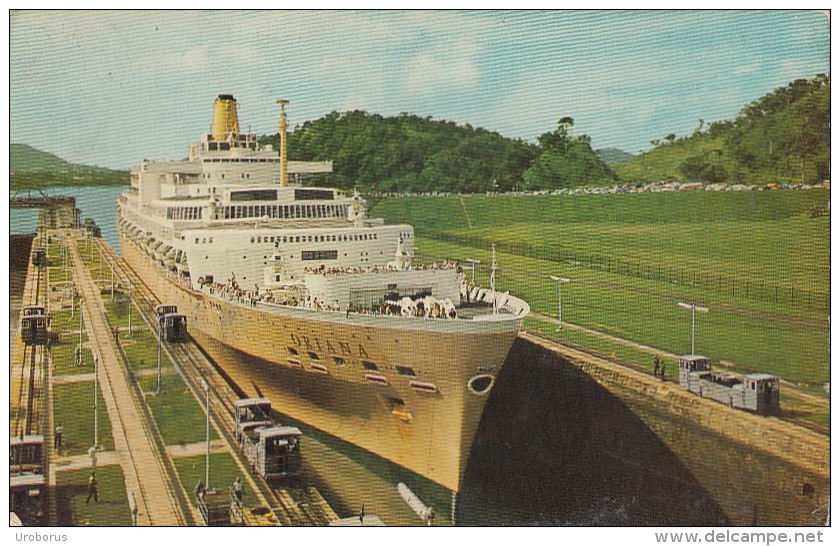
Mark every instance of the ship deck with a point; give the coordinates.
(476, 316)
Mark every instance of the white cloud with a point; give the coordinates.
(436, 72)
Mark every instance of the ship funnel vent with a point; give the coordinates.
(225, 119)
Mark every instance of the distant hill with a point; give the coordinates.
(30, 168)
(783, 136)
(25, 158)
(614, 155)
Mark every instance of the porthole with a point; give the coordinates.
(480, 384)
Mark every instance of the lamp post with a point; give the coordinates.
(159, 340)
(472, 268)
(81, 328)
(129, 306)
(95, 402)
(559, 281)
(694, 308)
(206, 388)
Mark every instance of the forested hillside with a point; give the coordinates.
(414, 154)
(783, 136)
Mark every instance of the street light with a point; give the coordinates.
(81, 328)
(560, 281)
(129, 307)
(95, 405)
(694, 308)
(159, 340)
(206, 388)
(472, 267)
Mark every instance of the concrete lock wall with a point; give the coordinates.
(570, 439)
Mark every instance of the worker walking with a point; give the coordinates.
(132, 504)
(656, 365)
(57, 435)
(200, 490)
(237, 489)
(92, 491)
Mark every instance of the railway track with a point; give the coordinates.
(291, 504)
(27, 407)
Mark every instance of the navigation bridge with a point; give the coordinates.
(56, 211)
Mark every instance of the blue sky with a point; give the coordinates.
(112, 88)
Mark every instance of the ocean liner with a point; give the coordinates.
(300, 297)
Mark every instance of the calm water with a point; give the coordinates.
(99, 203)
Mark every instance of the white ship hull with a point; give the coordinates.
(315, 366)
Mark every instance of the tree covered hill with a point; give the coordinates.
(30, 168)
(408, 153)
(783, 136)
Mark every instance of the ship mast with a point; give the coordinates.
(284, 177)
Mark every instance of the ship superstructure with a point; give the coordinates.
(304, 299)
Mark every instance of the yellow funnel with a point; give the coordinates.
(225, 120)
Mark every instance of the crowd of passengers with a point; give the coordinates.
(425, 307)
(323, 270)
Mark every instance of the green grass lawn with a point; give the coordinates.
(635, 310)
(63, 361)
(223, 471)
(638, 357)
(179, 416)
(118, 312)
(75, 413)
(141, 349)
(112, 509)
(758, 242)
(64, 320)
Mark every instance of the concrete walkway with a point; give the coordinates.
(82, 462)
(141, 462)
(75, 378)
(196, 449)
(166, 370)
